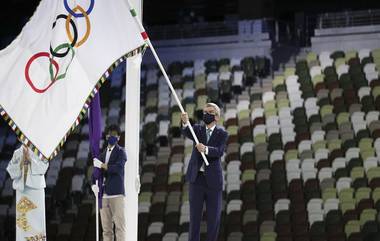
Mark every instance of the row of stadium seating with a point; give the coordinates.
(69, 202)
(302, 161)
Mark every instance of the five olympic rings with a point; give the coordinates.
(62, 50)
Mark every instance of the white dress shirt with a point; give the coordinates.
(108, 154)
(202, 169)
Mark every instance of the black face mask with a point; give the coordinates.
(208, 118)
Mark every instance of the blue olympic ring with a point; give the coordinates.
(78, 15)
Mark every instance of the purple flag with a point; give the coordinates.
(95, 135)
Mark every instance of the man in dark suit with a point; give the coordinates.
(206, 182)
(111, 163)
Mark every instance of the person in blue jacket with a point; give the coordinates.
(206, 182)
(111, 163)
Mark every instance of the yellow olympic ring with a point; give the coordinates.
(88, 25)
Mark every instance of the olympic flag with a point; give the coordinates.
(50, 72)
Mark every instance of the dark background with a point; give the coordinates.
(14, 13)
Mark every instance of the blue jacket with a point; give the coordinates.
(114, 184)
(216, 147)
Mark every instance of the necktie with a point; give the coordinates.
(208, 132)
(208, 135)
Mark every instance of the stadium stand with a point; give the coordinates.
(302, 161)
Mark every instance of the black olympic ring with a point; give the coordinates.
(75, 38)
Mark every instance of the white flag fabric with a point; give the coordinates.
(49, 73)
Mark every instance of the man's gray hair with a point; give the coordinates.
(216, 108)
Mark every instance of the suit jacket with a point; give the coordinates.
(114, 184)
(216, 146)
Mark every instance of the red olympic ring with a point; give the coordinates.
(27, 67)
(72, 12)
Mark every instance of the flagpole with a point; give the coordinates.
(175, 95)
(95, 134)
(145, 36)
(97, 212)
